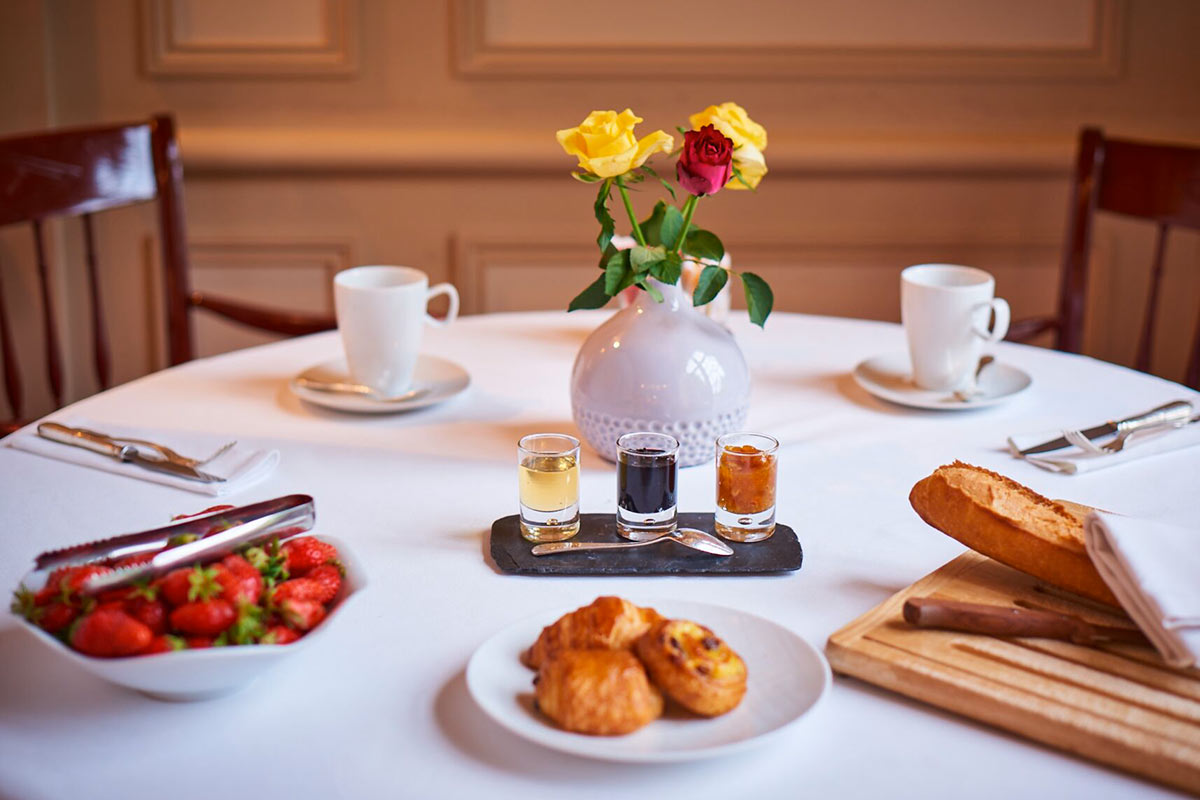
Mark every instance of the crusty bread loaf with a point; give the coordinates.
(1004, 520)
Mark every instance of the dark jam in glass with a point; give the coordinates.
(646, 481)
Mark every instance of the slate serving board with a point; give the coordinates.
(510, 552)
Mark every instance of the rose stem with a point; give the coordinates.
(689, 208)
(637, 229)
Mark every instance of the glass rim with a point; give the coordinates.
(558, 452)
(723, 446)
(669, 451)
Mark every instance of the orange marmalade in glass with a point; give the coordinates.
(745, 479)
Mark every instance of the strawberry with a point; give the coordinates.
(305, 552)
(198, 642)
(247, 627)
(329, 578)
(203, 618)
(299, 589)
(302, 615)
(108, 633)
(64, 583)
(188, 584)
(151, 613)
(279, 634)
(209, 510)
(56, 616)
(240, 581)
(164, 643)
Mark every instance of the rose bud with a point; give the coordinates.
(705, 162)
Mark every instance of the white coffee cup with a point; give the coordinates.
(945, 309)
(381, 315)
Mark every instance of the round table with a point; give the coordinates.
(380, 708)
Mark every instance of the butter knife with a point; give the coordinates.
(934, 612)
(1172, 413)
(89, 440)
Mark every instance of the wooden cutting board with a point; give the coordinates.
(1118, 704)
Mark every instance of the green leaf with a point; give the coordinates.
(615, 272)
(642, 259)
(759, 298)
(607, 225)
(586, 177)
(664, 225)
(681, 129)
(712, 281)
(703, 244)
(669, 269)
(650, 290)
(593, 296)
(607, 254)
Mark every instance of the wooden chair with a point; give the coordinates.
(82, 171)
(1155, 182)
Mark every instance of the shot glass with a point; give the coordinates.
(747, 471)
(647, 469)
(548, 486)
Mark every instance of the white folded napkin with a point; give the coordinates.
(1154, 570)
(1084, 456)
(241, 465)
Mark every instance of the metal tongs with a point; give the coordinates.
(280, 518)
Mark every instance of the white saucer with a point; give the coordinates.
(435, 379)
(889, 377)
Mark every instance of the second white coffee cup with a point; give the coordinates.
(945, 309)
(381, 315)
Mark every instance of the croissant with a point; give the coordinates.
(598, 692)
(609, 623)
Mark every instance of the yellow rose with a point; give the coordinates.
(605, 145)
(749, 140)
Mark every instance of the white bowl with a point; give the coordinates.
(209, 672)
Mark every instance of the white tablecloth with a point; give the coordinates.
(380, 708)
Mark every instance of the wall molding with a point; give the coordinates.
(273, 252)
(166, 55)
(477, 55)
(456, 152)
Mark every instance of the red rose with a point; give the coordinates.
(706, 161)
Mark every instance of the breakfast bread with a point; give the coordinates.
(1002, 519)
(693, 666)
(597, 692)
(608, 623)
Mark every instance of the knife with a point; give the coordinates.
(1172, 413)
(932, 612)
(89, 440)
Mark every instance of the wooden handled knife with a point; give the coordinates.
(932, 612)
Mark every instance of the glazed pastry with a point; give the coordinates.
(693, 666)
(609, 623)
(598, 692)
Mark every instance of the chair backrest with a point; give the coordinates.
(77, 173)
(1155, 182)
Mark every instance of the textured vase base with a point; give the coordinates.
(697, 438)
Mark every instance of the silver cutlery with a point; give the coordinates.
(167, 453)
(342, 387)
(1118, 444)
(89, 440)
(688, 537)
(1170, 413)
(972, 390)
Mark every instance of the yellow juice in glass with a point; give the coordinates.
(548, 487)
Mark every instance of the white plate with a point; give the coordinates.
(441, 380)
(889, 377)
(787, 676)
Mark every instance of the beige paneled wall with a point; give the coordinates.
(317, 134)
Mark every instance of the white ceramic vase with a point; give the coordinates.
(660, 367)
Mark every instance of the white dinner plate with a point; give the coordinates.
(436, 380)
(786, 678)
(889, 377)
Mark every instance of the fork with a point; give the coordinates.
(166, 452)
(1118, 442)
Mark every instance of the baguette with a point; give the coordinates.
(1002, 519)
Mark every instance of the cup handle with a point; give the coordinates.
(999, 307)
(450, 292)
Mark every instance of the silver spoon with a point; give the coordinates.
(689, 537)
(338, 387)
(972, 390)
